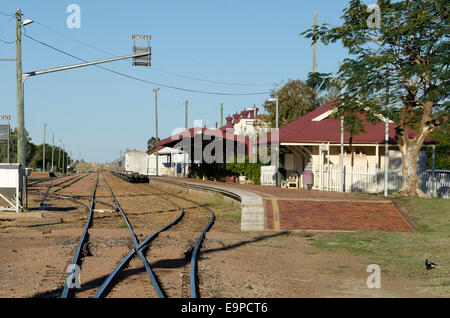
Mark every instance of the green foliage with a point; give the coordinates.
(442, 154)
(151, 143)
(33, 153)
(397, 69)
(251, 170)
(211, 171)
(295, 99)
(30, 149)
(404, 63)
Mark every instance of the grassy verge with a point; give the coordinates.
(228, 208)
(403, 254)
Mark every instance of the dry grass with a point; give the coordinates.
(403, 254)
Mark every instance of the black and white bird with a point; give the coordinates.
(429, 265)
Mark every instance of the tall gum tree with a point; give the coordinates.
(397, 67)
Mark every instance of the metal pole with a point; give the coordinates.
(386, 156)
(155, 90)
(43, 158)
(433, 176)
(221, 114)
(186, 115)
(9, 133)
(63, 155)
(315, 47)
(386, 139)
(53, 147)
(59, 157)
(277, 150)
(342, 155)
(69, 67)
(328, 167)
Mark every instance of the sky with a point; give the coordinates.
(249, 46)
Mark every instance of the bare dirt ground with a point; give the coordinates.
(35, 251)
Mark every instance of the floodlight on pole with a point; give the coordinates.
(26, 22)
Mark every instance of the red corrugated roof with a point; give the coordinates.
(190, 133)
(304, 130)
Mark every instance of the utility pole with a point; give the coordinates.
(386, 139)
(53, 147)
(43, 151)
(63, 159)
(221, 114)
(315, 46)
(155, 90)
(186, 115)
(20, 113)
(59, 157)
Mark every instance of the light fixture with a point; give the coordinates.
(26, 22)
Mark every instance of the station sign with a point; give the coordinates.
(4, 134)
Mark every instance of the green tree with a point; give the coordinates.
(399, 59)
(295, 99)
(442, 153)
(30, 149)
(151, 143)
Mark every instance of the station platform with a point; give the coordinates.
(280, 209)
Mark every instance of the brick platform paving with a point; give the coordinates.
(298, 209)
(342, 216)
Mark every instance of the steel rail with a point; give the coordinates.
(76, 258)
(141, 247)
(41, 206)
(194, 256)
(136, 245)
(72, 198)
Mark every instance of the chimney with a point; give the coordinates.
(256, 111)
(229, 120)
(252, 113)
(244, 114)
(236, 118)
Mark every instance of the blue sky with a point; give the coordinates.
(97, 113)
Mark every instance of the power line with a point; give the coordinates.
(205, 80)
(6, 23)
(7, 42)
(6, 14)
(152, 68)
(143, 80)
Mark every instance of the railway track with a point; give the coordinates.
(193, 274)
(56, 187)
(138, 248)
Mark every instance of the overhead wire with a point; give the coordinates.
(7, 14)
(152, 68)
(2, 27)
(144, 80)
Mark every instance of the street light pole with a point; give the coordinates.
(43, 156)
(20, 112)
(155, 90)
(63, 159)
(275, 99)
(59, 157)
(53, 147)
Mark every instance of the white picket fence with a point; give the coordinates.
(372, 181)
(268, 175)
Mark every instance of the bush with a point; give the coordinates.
(251, 170)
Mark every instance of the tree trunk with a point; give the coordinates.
(410, 186)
